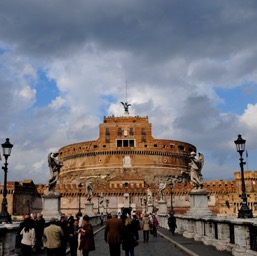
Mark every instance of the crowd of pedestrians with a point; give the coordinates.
(121, 233)
(34, 235)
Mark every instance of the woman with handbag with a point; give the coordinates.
(87, 242)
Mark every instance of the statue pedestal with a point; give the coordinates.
(199, 203)
(89, 209)
(162, 207)
(51, 206)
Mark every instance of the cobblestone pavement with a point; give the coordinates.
(156, 246)
(164, 245)
(191, 246)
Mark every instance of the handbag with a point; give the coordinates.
(135, 243)
(18, 241)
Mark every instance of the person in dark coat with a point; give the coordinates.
(39, 228)
(128, 238)
(73, 237)
(87, 242)
(136, 226)
(113, 234)
(172, 223)
(64, 224)
(155, 224)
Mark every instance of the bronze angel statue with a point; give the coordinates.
(126, 106)
(196, 165)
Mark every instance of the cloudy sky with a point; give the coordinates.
(190, 66)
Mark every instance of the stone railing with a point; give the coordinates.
(238, 236)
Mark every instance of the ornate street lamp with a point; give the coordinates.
(80, 188)
(5, 216)
(244, 211)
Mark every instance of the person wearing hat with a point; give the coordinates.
(53, 234)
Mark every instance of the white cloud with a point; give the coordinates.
(173, 57)
(27, 94)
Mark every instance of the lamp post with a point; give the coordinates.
(244, 211)
(171, 199)
(5, 216)
(80, 188)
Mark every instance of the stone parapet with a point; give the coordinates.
(235, 235)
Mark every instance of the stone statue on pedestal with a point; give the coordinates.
(149, 196)
(162, 186)
(196, 165)
(89, 191)
(54, 165)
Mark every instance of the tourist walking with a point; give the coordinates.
(53, 235)
(113, 234)
(136, 226)
(155, 225)
(146, 227)
(87, 242)
(39, 229)
(129, 241)
(172, 223)
(28, 240)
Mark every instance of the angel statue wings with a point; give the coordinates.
(54, 165)
(126, 106)
(196, 165)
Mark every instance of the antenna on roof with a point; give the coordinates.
(126, 90)
(125, 104)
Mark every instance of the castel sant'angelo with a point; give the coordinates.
(125, 159)
(125, 162)
(122, 166)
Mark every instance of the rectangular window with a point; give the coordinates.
(143, 131)
(119, 131)
(131, 143)
(107, 131)
(125, 143)
(131, 131)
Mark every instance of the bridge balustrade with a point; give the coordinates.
(238, 236)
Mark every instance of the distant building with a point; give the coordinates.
(121, 165)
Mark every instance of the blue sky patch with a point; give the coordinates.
(236, 99)
(46, 89)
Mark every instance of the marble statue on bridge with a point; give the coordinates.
(196, 165)
(54, 165)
